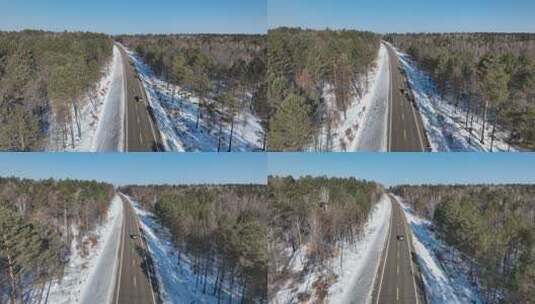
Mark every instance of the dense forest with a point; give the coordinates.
(226, 72)
(302, 66)
(44, 78)
(319, 214)
(490, 76)
(494, 228)
(37, 220)
(221, 229)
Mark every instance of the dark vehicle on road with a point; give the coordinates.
(401, 237)
(137, 98)
(133, 236)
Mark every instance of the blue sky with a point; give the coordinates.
(406, 15)
(136, 16)
(410, 168)
(140, 168)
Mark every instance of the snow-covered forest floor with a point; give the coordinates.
(175, 111)
(173, 268)
(444, 124)
(444, 273)
(100, 116)
(352, 270)
(90, 274)
(364, 127)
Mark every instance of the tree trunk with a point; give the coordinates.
(493, 132)
(77, 117)
(485, 110)
(198, 114)
(231, 134)
(219, 136)
(12, 279)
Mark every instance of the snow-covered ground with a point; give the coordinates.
(101, 117)
(90, 279)
(445, 281)
(175, 111)
(364, 129)
(354, 268)
(176, 280)
(444, 125)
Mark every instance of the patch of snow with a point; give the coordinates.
(176, 280)
(365, 127)
(355, 267)
(444, 124)
(357, 276)
(175, 111)
(445, 281)
(91, 279)
(101, 117)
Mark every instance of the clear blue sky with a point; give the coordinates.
(410, 168)
(139, 168)
(136, 16)
(406, 15)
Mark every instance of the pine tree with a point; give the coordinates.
(291, 128)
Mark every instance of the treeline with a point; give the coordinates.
(44, 77)
(317, 215)
(221, 229)
(37, 220)
(494, 228)
(302, 64)
(226, 72)
(490, 76)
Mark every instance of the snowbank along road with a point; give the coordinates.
(398, 279)
(405, 128)
(135, 280)
(141, 133)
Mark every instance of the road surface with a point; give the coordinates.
(397, 277)
(141, 133)
(405, 128)
(133, 283)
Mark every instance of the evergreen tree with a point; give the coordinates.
(290, 128)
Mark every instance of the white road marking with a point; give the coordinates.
(144, 245)
(390, 102)
(121, 260)
(135, 281)
(418, 128)
(397, 294)
(386, 257)
(405, 134)
(125, 86)
(147, 104)
(409, 235)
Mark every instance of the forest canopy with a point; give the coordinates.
(488, 75)
(222, 229)
(301, 64)
(43, 78)
(493, 226)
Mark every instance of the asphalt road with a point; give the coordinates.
(397, 277)
(141, 133)
(133, 283)
(405, 128)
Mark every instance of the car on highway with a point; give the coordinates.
(133, 236)
(400, 237)
(137, 98)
